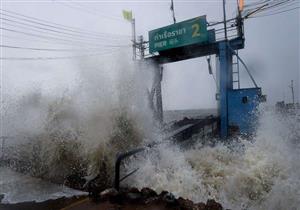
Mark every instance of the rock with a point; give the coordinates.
(108, 193)
(185, 204)
(150, 200)
(213, 205)
(1, 197)
(169, 198)
(200, 206)
(134, 190)
(148, 197)
(148, 193)
(134, 197)
(162, 194)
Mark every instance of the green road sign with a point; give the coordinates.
(179, 34)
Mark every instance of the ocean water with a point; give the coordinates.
(62, 130)
(18, 188)
(175, 115)
(74, 128)
(259, 173)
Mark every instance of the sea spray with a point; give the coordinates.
(79, 130)
(258, 173)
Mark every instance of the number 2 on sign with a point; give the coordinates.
(196, 30)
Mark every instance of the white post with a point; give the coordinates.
(133, 39)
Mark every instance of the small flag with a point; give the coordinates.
(241, 5)
(127, 15)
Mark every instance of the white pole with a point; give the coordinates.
(133, 39)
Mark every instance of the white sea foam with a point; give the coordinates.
(260, 173)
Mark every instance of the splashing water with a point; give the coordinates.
(80, 130)
(261, 173)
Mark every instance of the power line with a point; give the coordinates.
(49, 29)
(267, 7)
(280, 5)
(96, 11)
(47, 37)
(36, 39)
(31, 39)
(53, 58)
(42, 30)
(293, 3)
(275, 13)
(256, 4)
(51, 49)
(85, 10)
(36, 35)
(59, 26)
(62, 29)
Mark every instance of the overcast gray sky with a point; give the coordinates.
(271, 49)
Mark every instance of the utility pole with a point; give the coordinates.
(292, 89)
(141, 46)
(240, 7)
(159, 105)
(133, 39)
(224, 15)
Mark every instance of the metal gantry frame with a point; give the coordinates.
(225, 56)
(225, 45)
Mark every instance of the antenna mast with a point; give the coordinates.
(173, 11)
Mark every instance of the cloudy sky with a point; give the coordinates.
(271, 48)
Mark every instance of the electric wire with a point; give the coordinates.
(47, 37)
(60, 29)
(267, 7)
(85, 10)
(255, 4)
(55, 58)
(96, 11)
(53, 33)
(275, 13)
(290, 4)
(38, 39)
(57, 25)
(30, 26)
(280, 5)
(50, 49)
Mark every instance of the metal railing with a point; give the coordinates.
(119, 160)
(212, 123)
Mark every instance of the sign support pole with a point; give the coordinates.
(159, 105)
(224, 15)
(225, 59)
